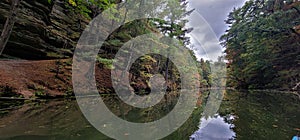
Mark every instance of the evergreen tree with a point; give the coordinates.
(262, 45)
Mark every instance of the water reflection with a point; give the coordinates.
(214, 128)
(252, 115)
(62, 119)
(242, 115)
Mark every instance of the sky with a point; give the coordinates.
(208, 23)
(214, 129)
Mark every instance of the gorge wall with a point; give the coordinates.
(43, 30)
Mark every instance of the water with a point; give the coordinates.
(216, 128)
(253, 115)
(242, 115)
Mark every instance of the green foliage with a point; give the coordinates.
(205, 73)
(69, 92)
(260, 44)
(87, 7)
(172, 26)
(40, 91)
(107, 63)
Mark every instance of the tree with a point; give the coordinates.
(174, 24)
(262, 45)
(9, 24)
(206, 72)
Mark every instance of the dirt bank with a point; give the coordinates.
(44, 78)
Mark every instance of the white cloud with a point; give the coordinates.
(214, 12)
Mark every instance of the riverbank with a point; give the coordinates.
(24, 79)
(44, 78)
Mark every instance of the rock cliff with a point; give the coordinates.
(43, 30)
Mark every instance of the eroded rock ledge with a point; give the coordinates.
(42, 30)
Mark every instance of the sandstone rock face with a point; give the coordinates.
(42, 30)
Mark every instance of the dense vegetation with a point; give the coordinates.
(262, 45)
(60, 39)
(148, 65)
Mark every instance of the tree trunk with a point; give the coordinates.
(9, 24)
(167, 68)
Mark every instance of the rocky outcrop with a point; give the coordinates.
(43, 30)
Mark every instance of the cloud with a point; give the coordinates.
(214, 129)
(208, 23)
(215, 11)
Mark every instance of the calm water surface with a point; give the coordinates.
(242, 115)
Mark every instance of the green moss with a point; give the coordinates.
(54, 55)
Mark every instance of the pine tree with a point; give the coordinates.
(262, 45)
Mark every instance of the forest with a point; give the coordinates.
(52, 49)
(262, 45)
(57, 36)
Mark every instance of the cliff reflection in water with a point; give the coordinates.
(62, 119)
(242, 115)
